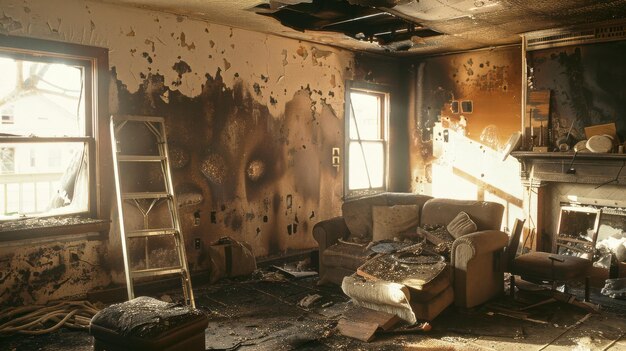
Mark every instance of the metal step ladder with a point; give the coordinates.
(145, 202)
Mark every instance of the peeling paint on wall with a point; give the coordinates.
(490, 79)
(240, 159)
(251, 119)
(164, 35)
(455, 153)
(9, 25)
(41, 273)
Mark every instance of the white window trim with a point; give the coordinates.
(384, 92)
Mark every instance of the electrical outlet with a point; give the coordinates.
(196, 218)
(335, 158)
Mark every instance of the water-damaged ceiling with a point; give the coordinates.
(402, 26)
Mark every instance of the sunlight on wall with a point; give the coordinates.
(468, 170)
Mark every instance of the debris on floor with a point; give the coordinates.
(267, 276)
(615, 288)
(40, 319)
(295, 271)
(250, 314)
(359, 330)
(309, 300)
(363, 324)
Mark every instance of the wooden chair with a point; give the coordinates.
(570, 260)
(510, 252)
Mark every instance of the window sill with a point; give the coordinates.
(37, 229)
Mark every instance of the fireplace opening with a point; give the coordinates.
(594, 231)
(611, 238)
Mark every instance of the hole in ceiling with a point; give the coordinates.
(359, 19)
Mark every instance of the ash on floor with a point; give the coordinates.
(265, 315)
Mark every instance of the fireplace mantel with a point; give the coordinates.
(538, 170)
(589, 168)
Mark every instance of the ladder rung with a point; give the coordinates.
(140, 158)
(144, 195)
(121, 118)
(153, 272)
(150, 232)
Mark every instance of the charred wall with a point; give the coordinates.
(586, 83)
(456, 153)
(251, 120)
(238, 170)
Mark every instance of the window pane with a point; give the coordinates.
(41, 99)
(366, 109)
(56, 183)
(7, 160)
(373, 165)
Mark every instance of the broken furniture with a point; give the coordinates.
(475, 257)
(145, 323)
(571, 256)
(510, 252)
(362, 323)
(413, 285)
(230, 258)
(615, 288)
(126, 154)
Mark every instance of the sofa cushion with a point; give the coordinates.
(346, 255)
(357, 213)
(428, 310)
(426, 280)
(486, 215)
(426, 291)
(396, 298)
(389, 221)
(461, 225)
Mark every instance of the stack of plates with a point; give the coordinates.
(600, 143)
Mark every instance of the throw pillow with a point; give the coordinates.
(461, 225)
(389, 221)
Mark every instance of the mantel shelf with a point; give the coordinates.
(570, 167)
(525, 155)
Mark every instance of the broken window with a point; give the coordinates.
(367, 139)
(46, 139)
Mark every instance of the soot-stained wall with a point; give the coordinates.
(491, 79)
(457, 154)
(251, 120)
(586, 83)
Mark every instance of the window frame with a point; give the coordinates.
(94, 61)
(384, 93)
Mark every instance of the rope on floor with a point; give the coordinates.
(42, 319)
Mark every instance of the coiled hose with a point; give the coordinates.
(41, 319)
